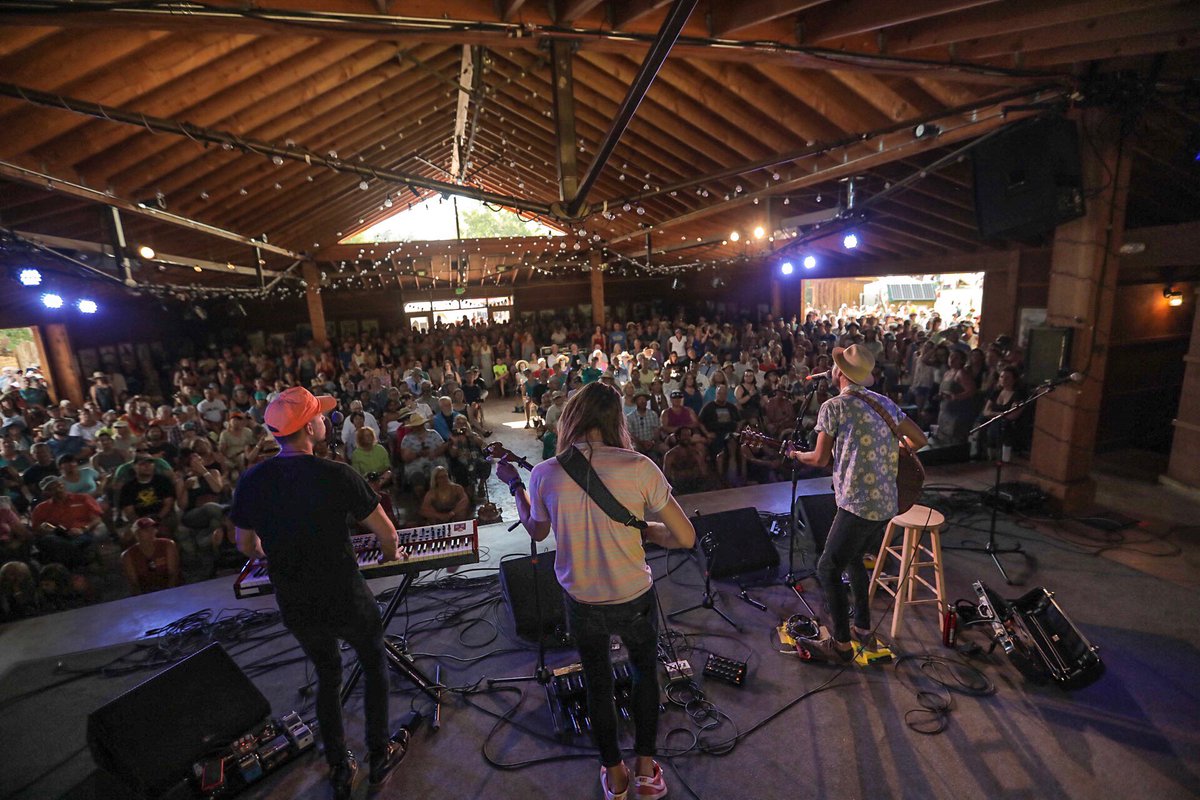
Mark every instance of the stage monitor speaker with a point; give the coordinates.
(814, 513)
(931, 456)
(1028, 179)
(150, 736)
(735, 542)
(517, 587)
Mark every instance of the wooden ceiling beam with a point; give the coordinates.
(16, 38)
(173, 99)
(567, 11)
(46, 68)
(920, 225)
(119, 82)
(946, 93)
(824, 95)
(903, 145)
(1012, 17)
(1075, 34)
(370, 100)
(881, 96)
(139, 162)
(626, 12)
(509, 8)
(853, 17)
(729, 18)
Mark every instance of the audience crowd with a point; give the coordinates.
(139, 486)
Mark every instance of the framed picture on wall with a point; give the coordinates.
(370, 327)
(89, 360)
(349, 327)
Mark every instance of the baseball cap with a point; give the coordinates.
(676, 393)
(237, 415)
(145, 522)
(49, 481)
(293, 408)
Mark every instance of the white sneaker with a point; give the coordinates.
(608, 793)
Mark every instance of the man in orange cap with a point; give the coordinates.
(865, 458)
(292, 508)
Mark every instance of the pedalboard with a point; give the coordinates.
(725, 669)
(250, 758)
(680, 670)
(566, 694)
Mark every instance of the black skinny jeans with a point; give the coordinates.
(593, 627)
(363, 631)
(849, 537)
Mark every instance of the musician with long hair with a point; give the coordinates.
(865, 458)
(601, 565)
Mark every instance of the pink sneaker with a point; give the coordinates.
(608, 793)
(653, 787)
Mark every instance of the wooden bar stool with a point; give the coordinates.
(915, 522)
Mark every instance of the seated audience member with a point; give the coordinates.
(444, 417)
(1010, 431)
(686, 464)
(371, 460)
(421, 450)
(42, 467)
(758, 463)
(15, 538)
(87, 425)
(151, 563)
(65, 523)
(475, 391)
(80, 479)
(198, 492)
(148, 494)
(779, 415)
(468, 466)
(18, 591)
(236, 440)
(107, 457)
(719, 419)
(445, 501)
(957, 410)
(677, 415)
(644, 426)
(61, 441)
(212, 408)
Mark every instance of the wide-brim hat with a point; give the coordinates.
(856, 363)
(415, 420)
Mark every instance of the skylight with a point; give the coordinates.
(433, 219)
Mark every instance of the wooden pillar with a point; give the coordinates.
(998, 309)
(1083, 282)
(64, 369)
(597, 276)
(776, 298)
(316, 309)
(1184, 467)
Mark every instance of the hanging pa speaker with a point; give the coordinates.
(1028, 179)
(151, 736)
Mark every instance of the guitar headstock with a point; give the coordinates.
(756, 438)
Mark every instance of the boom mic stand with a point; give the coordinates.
(990, 548)
(791, 578)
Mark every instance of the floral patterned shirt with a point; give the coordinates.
(865, 453)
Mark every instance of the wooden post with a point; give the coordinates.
(1184, 469)
(316, 309)
(597, 288)
(64, 369)
(1083, 281)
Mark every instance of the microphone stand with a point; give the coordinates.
(990, 548)
(791, 579)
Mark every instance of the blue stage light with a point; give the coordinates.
(850, 241)
(50, 300)
(810, 262)
(30, 277)
(786, 268)
(87, 306)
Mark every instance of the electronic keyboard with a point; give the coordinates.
(447, 544)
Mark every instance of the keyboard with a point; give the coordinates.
(447, 544)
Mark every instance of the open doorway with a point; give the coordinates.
(955, 296)
(23, 361)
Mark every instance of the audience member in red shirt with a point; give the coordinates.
(65, 523)
(152, 563)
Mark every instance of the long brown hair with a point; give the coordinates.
(596, 406)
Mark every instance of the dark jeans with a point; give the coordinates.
(363, 632)
(849, 537)
(593, 627)
(70, 551)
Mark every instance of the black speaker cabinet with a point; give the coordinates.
(814, 516)
(150, 736)
(517, 586)
(1028, 179)
(735, 542)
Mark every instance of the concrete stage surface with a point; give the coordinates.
(794, 729)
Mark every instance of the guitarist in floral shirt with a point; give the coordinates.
(865, 454)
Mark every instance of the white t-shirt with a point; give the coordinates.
(599, 560)
(212, 410)
(86, 432)
(678, 345)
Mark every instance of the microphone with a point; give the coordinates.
(1074, 377)
(820, 376)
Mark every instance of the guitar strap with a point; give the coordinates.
(886, 417)
(575, 464)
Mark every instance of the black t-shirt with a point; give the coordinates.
(298, 505)
(473, 390)
(33, 476)
(537, 392)
(146, 498)
(721, 420)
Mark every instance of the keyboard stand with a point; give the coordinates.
(398, 661)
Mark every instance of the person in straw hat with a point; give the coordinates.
(865, 456)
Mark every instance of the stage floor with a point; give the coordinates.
(794, 728)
